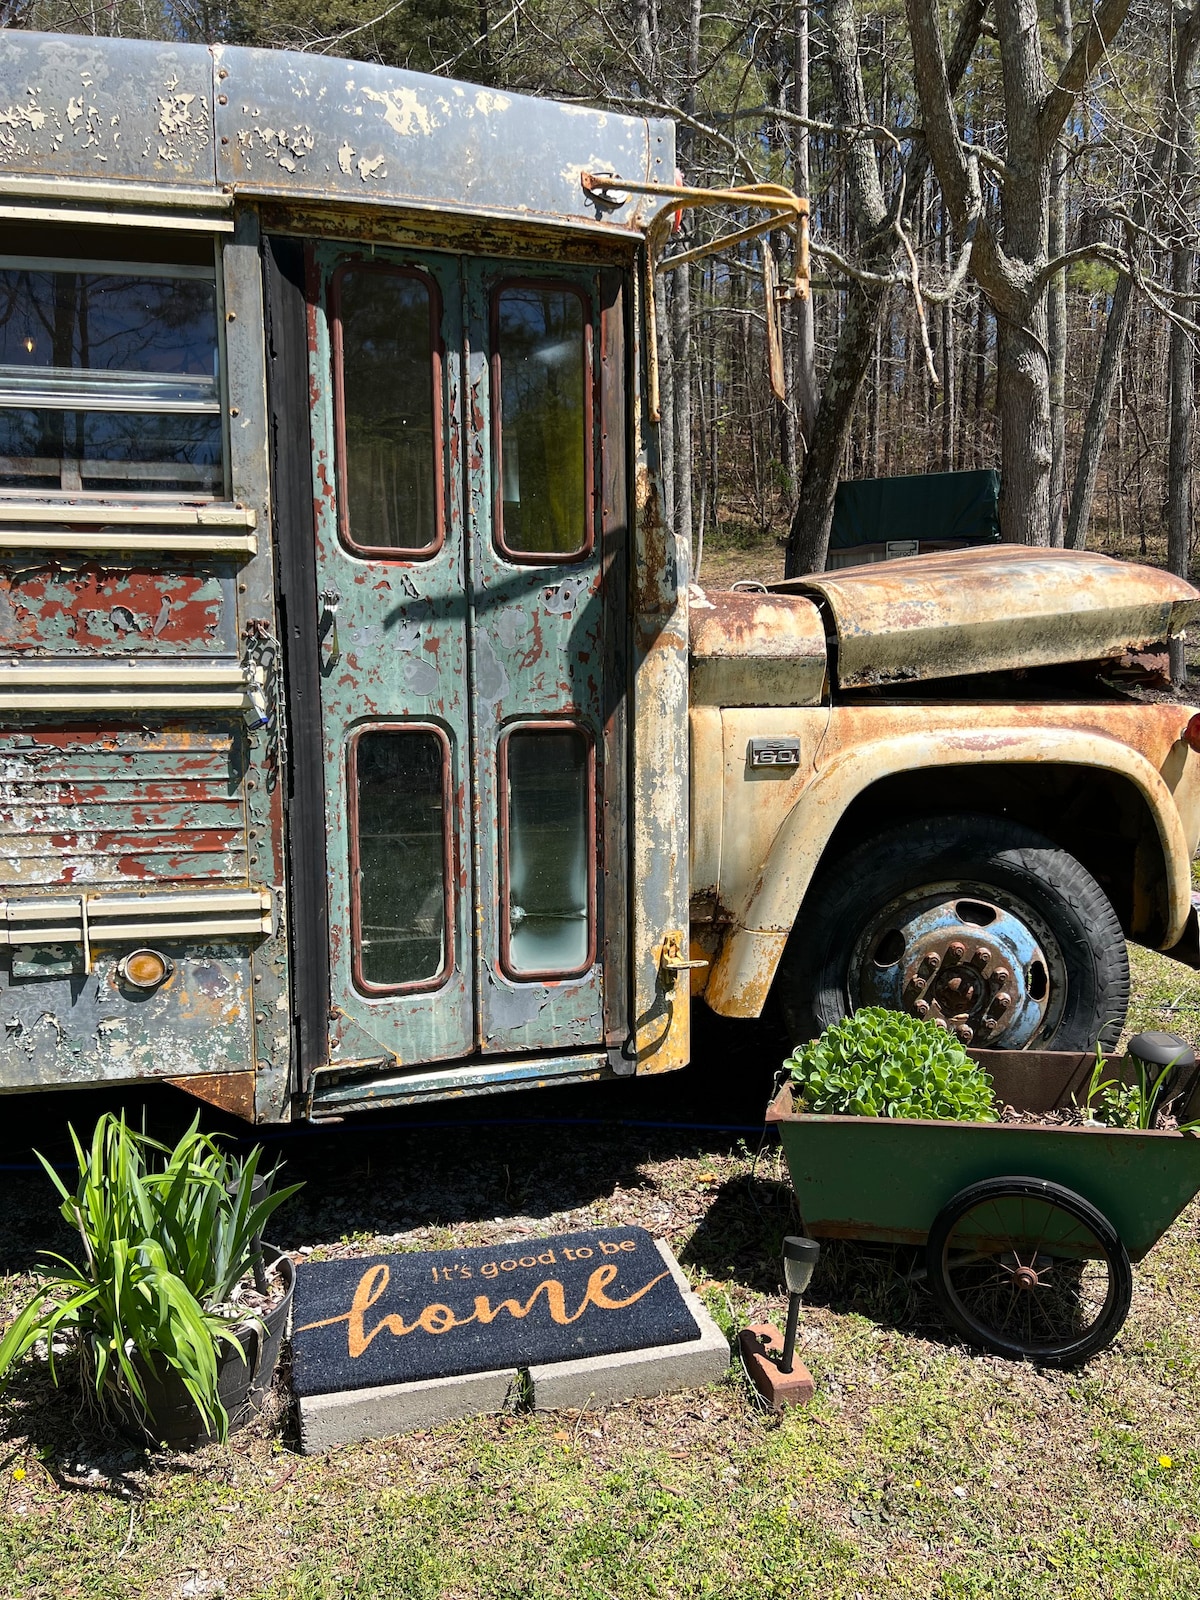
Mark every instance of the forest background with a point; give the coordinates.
(1005, 217)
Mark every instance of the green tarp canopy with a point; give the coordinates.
(932, 505)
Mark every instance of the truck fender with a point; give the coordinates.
(744, 968)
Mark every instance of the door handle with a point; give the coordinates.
(672, 961)
(327, 629)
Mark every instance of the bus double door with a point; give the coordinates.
(469, 637)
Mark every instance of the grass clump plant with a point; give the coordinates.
(1114, 1104)
(880, 1063)
(168, 1238)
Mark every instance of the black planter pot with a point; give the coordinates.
(171, 1415)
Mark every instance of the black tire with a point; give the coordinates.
(1029, 1270)
(1020, 875)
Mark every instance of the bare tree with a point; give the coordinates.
(1149, 201)
(1010, 259)
(880, 228)
(1056, 310)
(1182, 368)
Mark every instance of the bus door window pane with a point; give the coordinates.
(544, 421)
(400, 853)
(549, 891)
(388, 404)
(109, 377)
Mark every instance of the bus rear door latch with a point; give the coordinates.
(672, 958)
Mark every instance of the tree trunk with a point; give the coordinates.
(681, 401)
(1056, 311)
(1022, 354)
(1095, 427)
(681, 327)
(1182, 361)
(809, 542)
(1023, 401)
(802, 311)
(1179, 455)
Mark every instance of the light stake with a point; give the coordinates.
(770, 1361)
(799, 1259)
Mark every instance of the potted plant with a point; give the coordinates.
(172, 1335)
(880, 1063)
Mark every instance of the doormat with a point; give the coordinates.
(444, 1313)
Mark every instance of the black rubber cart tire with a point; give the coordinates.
(1050, 1283)
(940, 863)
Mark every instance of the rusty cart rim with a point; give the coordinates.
(1030, 1269)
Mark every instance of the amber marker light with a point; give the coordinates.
(144, 969)
(1191, 734)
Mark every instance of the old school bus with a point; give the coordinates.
(361, 737)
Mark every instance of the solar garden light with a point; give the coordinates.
(799, 1259)
(1155, 1052)
(770, 1361)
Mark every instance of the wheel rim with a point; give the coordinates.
(1028, 1277)
(983, 964)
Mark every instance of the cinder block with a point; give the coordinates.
(353, 1414)
(637, 1374)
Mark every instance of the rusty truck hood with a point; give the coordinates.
(968, 611)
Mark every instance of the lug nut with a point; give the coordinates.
(1000, 1004)
(921, 1009)
(981, 958)
(915, 984)
(1001, 975)
(956, 950)
(964, 1033)
(931, 962)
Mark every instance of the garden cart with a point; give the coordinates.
(1029, 1228)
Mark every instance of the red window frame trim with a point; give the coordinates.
(539, 558)
(449, 860)
(423, 552)
(556, 724)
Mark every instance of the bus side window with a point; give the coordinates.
(109, 364)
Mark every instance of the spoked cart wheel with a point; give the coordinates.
(1030, 1270)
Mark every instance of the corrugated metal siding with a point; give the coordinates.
(122, 806)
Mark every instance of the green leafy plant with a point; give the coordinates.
(881, 1063)
(1125, 1105)
(168, 1236)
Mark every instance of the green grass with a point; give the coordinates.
(917, 1471)
(920, 1470)
(1165, 996)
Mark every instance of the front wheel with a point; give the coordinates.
(976, 922)
(1029, 1270)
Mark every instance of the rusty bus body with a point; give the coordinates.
(362, 740)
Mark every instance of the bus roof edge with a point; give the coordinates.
(265, 123)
